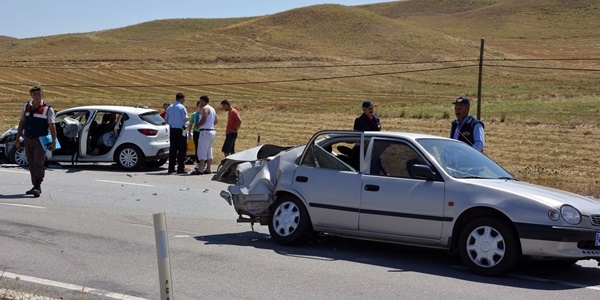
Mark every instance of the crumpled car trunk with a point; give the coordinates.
(226, 170)
(253, 181)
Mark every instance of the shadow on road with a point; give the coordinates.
(399, 258)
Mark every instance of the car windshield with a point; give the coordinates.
(153, 118)
(460, 160)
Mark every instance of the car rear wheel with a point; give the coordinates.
(488, 246)
(129, 157)
(17, 156)
(289, 223)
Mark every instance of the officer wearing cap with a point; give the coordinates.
(367, 121)
(37, 120)
(465, 127)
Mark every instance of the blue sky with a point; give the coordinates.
(34, 18)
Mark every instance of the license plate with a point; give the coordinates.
(597, 239)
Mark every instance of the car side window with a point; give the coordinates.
(393, 159)
(324, 157)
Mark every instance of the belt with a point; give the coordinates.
(206, 129)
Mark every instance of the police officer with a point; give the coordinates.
(367, 121)
(177, 118)
(37, 120)
(465, 127)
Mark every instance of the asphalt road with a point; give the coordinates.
(92, 230)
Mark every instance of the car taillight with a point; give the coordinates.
(148, 131)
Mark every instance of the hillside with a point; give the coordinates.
(399, 30)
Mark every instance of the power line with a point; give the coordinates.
(240, 68)
(544, 68)
(289, 67)
(245, 82)
(308, 79)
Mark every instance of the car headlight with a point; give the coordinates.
(570, 214)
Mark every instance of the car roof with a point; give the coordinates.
(115, 108)
(388, 134)
(393, 134)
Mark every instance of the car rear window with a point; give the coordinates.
(153, 118)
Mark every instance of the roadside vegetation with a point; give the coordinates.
(307, 69)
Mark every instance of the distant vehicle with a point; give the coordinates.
(410, 189)
(132, 137)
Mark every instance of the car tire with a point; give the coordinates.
(289, 222)
(156, 163)
(489, 247)
(129, 157)
(17, 156)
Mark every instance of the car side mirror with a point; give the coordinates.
(422, 172)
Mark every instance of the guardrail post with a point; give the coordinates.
(162, 253)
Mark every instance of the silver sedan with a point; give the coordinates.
(411, 189)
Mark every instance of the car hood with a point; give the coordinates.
(549, 196)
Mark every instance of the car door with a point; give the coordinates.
(86, 121)
(395, 203)
(330, 187)
(71, 129)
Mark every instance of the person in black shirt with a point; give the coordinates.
(367, 121)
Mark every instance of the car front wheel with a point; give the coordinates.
(129, 157)
(489, 247)
(289, 223)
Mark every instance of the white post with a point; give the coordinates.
(258, 139)
(162, 253)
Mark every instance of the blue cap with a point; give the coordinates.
(462, 100)
(367, 103)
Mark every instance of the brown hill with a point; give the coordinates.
(335, 30)
(399, 30)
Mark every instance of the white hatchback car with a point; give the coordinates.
(130, 136)
(411, 189)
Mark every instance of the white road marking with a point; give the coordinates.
(72, 287)
(540, 279)
(573, 284)
(129, 183)
(174, 230)
(23, 205)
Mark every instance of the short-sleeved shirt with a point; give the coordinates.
(232, 119)
(176, 115)
(51, 115)
(194, 118)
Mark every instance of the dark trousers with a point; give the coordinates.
(177, 149)
(229, 143)
(36, 157)
(195, 136)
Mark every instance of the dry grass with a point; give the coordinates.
(540, 124)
